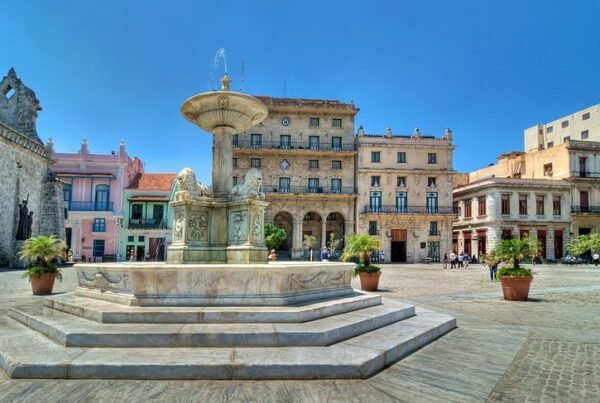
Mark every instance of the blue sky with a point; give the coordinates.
(121, 69)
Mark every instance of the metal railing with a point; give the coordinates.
(434, 233)
(307, 189)
(407, 210)
(90, 206)
(147, 223)
(585, 209)
(293, 145)
(585, 174)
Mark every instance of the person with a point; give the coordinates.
(272, 255)
(461, 258)
(452, 260)
(325, 255)
(466, 260)
(596, 258)
(493, 269)
(23, 226)
(382, 257)
(445, 261)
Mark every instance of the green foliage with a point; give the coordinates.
(583, 243)
(37, 271)
(43, 250)
(361, 268)
(360, 246)
(512, 272)
(514, 250)
(309, 241)
(274, 236)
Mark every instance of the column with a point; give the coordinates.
(297, 240)
(324, 233)
(222, 167)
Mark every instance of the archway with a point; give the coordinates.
(285, 221)
(312, 225)
(335, 224)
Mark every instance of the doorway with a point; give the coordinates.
(398, 249)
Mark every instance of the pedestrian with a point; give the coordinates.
(382, 257)
(272, 256)
(493, 269)
(325, 255)
(461, 258)
(445, 261)
(452, 260)
(595, 258)
(466, 261)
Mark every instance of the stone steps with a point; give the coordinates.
(74, 331)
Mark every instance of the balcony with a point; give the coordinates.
(585, 209)
(446, 210)
(89, 206)
(147, 223)
(585, 174)
(434, 233)
(307, 189)
(293, 145)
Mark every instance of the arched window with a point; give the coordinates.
(102, 198)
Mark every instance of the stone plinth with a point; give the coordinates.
(159, 284)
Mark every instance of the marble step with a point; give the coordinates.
(74, 331)
(108, 312)
(25, 353)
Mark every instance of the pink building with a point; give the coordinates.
(93, 195)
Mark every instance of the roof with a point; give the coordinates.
(307, 103)
(147, 181)
(149, 198)
(84, 175)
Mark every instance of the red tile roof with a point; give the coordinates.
(149, 198)
(84, 175)
(147, 181)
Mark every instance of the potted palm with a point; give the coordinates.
(361, 247)
(42, 251)
(515, 280)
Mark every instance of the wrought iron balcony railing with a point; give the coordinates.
(147, 223)
(293, 145)
(307, 189)
(89, 206)
(585, 209)
(585, 174)
(408, 210)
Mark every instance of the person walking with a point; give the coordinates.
(445, 261)
(452, 260)
(466, 261)
(493, 266)
(325, 255)
(382, 257)
(461, 258)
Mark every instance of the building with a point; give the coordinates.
(24, 173)
(93, 199)
(405, 193)
(147, 222)
(582, 125)
(305, 150)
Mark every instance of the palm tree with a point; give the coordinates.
(514, 250)
(360, 246)
(43, 250)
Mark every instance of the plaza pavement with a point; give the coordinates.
(544, 350)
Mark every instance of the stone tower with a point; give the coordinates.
(19, 106)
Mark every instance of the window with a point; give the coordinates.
(336, 164)
(234, 180)
(313, 185)
(102, 198)
(582, 167)
(550, 144)
(432, 202)
(556, 208)
(99, 225)
(585, 134)
(309, 217)
(564, 124)
(375, 180)
(431, 158)
(401, 202)
(523, 204)
(539, 205)
(256, 140)
(98, 250)
(285, 141)
(67, 193)
(401, 157)
(401, 181)
(137, 211)
(314, 164)
(468, 208)
(548, 169)
(336, 143)
(235, 163)
(332, 217)
(236, 140)
(505, 204)
(141, 238)
(254, 162)
(585, 116)
(431, 181)
(375, 202)
(336, 186)
(456, 208)
(130, 238)
(549, 129)
(372, 227)
(284, 185)
(314, 142)
(506, 234)
(566, 139)
(481, 206)
(313, 122)
(158, 212)
(375, 156)
(336, 123)
(433, 228)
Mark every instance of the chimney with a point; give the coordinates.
(84, 146)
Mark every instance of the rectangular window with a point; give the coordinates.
(141, 238)
(523, 204)
(506, 234)
(284, 185)
(401, 202)
(566, 139)
(98, 250)
(256, 140)
(556, 208)
(505, 204)
(314, 142)
(313, 122)
(549, 129)
(158, 212)
(456, 208)
(431, 158)
(585, 134)
(375, 202)
(234, 180)
(481, 206)
(539, 205)
(336, 123)
(375, 180)
(254, 162)
(336, 143)
(431, 181)
(137, 211)
(285, 141)
(401, 157)
(314, 164)
(564, 124)
(313, 185)
(67, 193)
(550, 144)
(548, 169)
(585, 116)
(336, 186)
(468, 208)
(401, 181)
(130, 238)
(235, 162)
(433, 228)
(336, 164)
(431, 203)
(372, 227)
(236, 140)
(99, 225)
(375, 156)
(582, 167)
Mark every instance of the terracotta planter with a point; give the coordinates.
(515, 288)
(43, 284)
(369, 281)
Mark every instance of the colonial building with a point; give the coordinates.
(93, 199)
(146, 229)
(30, 196)
(405, 193)
(305, 150)
(581, 125)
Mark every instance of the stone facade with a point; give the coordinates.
(305, 150)
(405, 193)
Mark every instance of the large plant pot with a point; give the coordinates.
(369, 281)
(43, 284)
(515, 288)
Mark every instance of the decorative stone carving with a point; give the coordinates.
(198, 226)
(251, 188)
(189, 187)
(238, 226)
(257, 228)
(179, 223)
(104, 281)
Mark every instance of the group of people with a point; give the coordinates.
(462, 260)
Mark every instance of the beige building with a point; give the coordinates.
(581, 125)
(405, 193)
(305, 150)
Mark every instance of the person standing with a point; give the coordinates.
(382, 257)
(595, 258)
(445, 261)
(466, 260)
(452, 260)
(461, 258)
(493, 269)
(325, 255)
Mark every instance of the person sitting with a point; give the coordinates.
(272, 255)
(325, 255)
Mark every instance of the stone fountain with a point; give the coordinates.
(217, 309)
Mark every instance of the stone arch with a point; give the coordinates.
(336, 224)
(285, 220)
(312, 225)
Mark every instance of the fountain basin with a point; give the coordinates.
(163, 284)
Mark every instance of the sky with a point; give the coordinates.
(113, 70)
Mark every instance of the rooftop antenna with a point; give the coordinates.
(242, 78)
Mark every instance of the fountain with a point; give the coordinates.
(217, 309)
